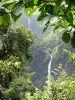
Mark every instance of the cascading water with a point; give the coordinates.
(49, 66)
(28, 22)
(49, 69)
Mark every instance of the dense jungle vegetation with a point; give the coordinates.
(26, 48)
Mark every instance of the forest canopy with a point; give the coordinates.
(15, 46)
(15, 42)
(57, 13)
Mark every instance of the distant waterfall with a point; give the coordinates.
(49, 66)
(49, 69)
(29, 22)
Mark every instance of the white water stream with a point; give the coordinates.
(49, 66)
(28, 22)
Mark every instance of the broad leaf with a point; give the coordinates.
(14, 17)
(66, 37)
(35, 1)
(73, 41)
(18, 8)
(11, 6)
(5, 19)
(42, 16)
(45, 20)
(49, 9)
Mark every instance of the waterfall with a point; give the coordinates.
(28, 22)
(49, 66)
(49, 69)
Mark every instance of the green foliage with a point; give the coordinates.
(35, 1)
(16, 41)
(64, 10)
(70, 55)
(66, 37)
(73, 40)
(5, 19)
(61, 89)
(14, 81)
(18, 89)
(12, 9)
(41, 50)
(8, 69)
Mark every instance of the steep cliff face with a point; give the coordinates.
(41, 57)
(41, 50)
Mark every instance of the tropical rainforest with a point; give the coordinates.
(37, 50)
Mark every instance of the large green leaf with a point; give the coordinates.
(14, 17)
(10, 6)
(45, 20)
(42, 16)
(35, 1)
(18, 8)
(66, 37)
(5, 19)
(49, 9)
(73, 41)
